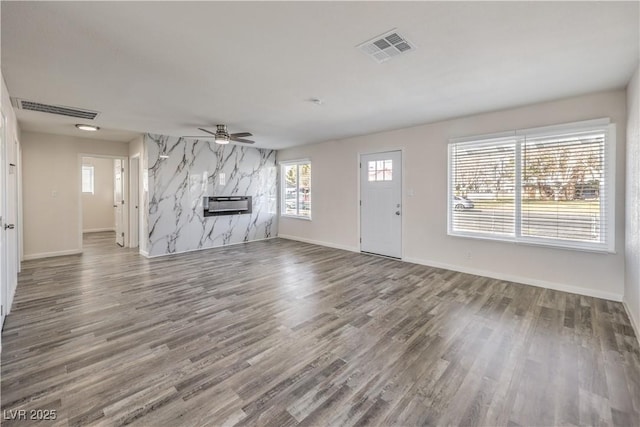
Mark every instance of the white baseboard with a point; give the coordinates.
(478, 272)
(521, 279)
(98, 230)
(51, 254)
(146, 254)
(319, 243)
(634, 321)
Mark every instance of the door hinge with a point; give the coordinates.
(122, 170)
(360, 202)
(123, 202)
(1, 310)
(361, 240)
(360, 165)
(123, 234)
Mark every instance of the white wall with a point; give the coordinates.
(632, 217)
(51, 190)
(425, 240)
(97, 208)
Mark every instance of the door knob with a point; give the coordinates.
(397, 212)
(9, 226)
(115, 206)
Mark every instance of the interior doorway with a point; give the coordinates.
(103, 196)
(134, 197)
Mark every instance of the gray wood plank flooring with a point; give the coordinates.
(282, 333)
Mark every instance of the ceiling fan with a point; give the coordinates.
(221, 136)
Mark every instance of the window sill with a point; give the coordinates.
(534, 243)
(305, 218)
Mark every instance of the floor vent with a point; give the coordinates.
(386, 46)
(54, 109)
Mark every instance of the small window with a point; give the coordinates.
(296, 189)
(87, 179)
(380, 170)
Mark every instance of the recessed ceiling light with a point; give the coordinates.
(88, 128)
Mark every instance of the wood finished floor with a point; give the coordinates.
(283, 333)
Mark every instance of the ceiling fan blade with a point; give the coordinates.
(246, 141)
(197, 136)
(240, 134)
(207, 131)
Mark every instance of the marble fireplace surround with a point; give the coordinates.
(174, 189)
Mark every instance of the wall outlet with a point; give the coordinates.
(54, 193)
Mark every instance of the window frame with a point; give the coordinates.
(283, 208)
(93, 179)
(607, 207)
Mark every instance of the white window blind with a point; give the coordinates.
(540, 186)
(483, 173)
(563, 188)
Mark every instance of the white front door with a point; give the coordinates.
(381, 203)
(118, 199)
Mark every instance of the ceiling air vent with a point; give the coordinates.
(386, 46)
(54, 109)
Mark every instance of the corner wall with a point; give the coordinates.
(632, 217)
(51, 190)
(335, 199)
(194, 169)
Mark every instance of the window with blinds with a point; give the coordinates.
(539, 186)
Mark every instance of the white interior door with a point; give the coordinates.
(381, 203)
(118, 199)
(3, 221)
(134, 202)
(11, 229)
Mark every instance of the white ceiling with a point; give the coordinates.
(170, 67)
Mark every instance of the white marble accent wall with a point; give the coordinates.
(178, 184)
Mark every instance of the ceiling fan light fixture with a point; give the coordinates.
(222, 136)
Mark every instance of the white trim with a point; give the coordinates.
(635, 324)
(295, 161)
(521, 279)
(283, 198)
(498, 136)
(52, 254)
(320, 243)
(98, 230)
(146, 254)
(562, 127)
(305, 218)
